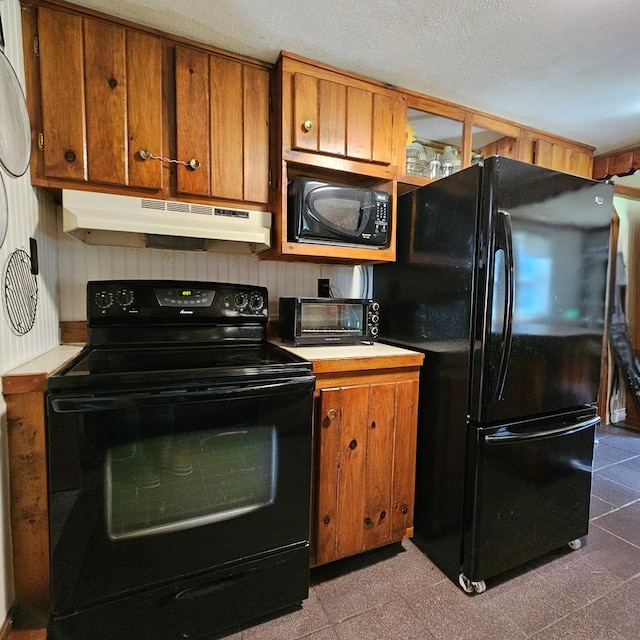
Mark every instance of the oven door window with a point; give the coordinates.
(173, 482)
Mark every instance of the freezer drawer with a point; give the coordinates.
(528, 491)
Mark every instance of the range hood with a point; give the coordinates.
(125, 221)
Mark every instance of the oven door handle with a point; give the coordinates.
(88, 403)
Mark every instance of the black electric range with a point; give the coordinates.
(179, 465)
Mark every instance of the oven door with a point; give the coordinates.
(150, 487)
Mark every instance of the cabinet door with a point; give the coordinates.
(334, 118)
(404, 455)
(379, 467)
(62, 91)
(222, 120)
(101, 91)
(561, 158)
(192, 119)
(365, 467)
(105, 93)
(144, 108)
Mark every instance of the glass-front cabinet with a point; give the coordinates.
(441, 138)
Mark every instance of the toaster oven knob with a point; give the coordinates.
(256, 302)
(103, 299)
(375, 318)
(374, 330)
(375, 306)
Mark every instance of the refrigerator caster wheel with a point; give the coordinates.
(479, 587)
(465, 583)
(575, 544)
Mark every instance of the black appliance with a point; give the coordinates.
(500, 281)
(179, 456)
(333, 213)
(317, 321)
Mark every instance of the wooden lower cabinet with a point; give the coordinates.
(364, 476)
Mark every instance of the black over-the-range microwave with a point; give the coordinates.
(333, 213)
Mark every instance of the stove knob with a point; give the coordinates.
(241, 300)
(103, 299)
(256, 302)
(124, 297)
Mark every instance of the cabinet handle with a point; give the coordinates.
(307, 125)
(353, 444)
(192, 164)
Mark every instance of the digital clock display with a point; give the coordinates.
(185, 297)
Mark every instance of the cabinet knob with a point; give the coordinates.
(332, 414)
(373, 424)
(404, 509)
(326, 520)
(367, 521)
(70, 156)
(307, 125)
(113, 83)
(383, 515)
(353, 444)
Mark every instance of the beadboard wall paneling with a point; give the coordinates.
(31, 214)
(79, 263)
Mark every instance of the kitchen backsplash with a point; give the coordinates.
(79, 262)
(29, 214)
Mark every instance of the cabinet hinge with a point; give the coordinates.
(270, 183)
(36, 45)
(41, 141)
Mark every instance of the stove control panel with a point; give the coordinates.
(185, 297)
(161, 300)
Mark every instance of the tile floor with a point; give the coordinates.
(396, 593)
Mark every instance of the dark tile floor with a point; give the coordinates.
(396, 593)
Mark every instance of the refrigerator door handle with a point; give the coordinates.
(507, 325)
(506, 436)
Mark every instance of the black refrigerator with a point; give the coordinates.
(500, 281)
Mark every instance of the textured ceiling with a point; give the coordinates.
(563, 66)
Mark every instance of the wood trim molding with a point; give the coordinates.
(627, 192)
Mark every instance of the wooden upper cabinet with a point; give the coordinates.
(62, 89)
(561, 157)
(222, 121)
(618, 163)
(350, 122)
(340, 116)
(101, 100)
